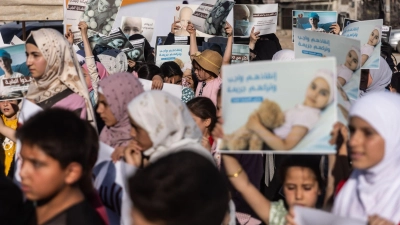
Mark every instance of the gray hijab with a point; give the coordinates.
(380, 78)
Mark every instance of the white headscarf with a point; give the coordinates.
(168, 122)
(283, 55)
(375, 190)
(380, 78)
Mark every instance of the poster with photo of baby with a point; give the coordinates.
(369, 32)
(210, 17)
(240, 54)
(279, 107)
(138, 25)
(184, 14)
(346, 50)
(317, 21)
(165, 53)
(262, 17)
(100, 15)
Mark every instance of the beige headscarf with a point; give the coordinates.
(62, 71)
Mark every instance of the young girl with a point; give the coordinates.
(346, 70)
(204, 114)
(207, 65)
(368, 48)
(302, 184)
(300, 119)
(9, 110)
(372, 189)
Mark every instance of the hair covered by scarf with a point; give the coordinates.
(62, 70)
(380, 78)
(119, 89)
(376, 189)
(168, 122)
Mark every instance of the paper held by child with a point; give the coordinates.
(310, 216)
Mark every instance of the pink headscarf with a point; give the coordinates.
(119, 89)
(101, 70)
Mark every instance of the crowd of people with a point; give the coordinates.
(180, 177)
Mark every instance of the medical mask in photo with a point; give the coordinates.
(242, 27)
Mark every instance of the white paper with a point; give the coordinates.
(74, 11)
(16, 41)
(310, 216)
(1, 40)
(173, 89)
(263, 18)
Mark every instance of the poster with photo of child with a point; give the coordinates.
(183, 16)
(138, 25)
(15, 76)
(346, 50)
(262, 17)
(386, 30)
(135, 51)
(210, 16)
(317, 21)
(100, 15)
(166, 53)
(369, 33)
(267, 108)
(74, 11)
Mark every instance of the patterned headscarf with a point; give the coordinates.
(119, 89)
(168, 122)
(62, 70)
(114, 61)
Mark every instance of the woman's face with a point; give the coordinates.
(140, 135)
(317, 95)
(103, 6)
(351, 60)
(220, 11)
(367, 146)
(374, 38)
(118, 43)
(35, 61)
(202, 124)
(105, 111)
(300, 187)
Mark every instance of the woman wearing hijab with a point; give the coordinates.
(263, 47)
(161, 124)
(283, 55)
(115, 92)
(377, 79)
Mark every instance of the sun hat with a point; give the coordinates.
(209, 60)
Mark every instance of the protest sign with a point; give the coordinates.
(173, 89)
(138, 25)
(167, 53)
(210, 16)
(346, 50)
(18, 66)
(77, 33)
(16, 41)
(265, 102)
(184, 15)
(100, 15)
(14, 88)
(262, 17)
(74, 11)
(135, 51)
(311, 216)
(110, 182)
(240, 54)
(386, 30)
(317, 21)
(369, 33)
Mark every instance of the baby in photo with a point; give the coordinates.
(352, 63)
(368, 48)
(300, 119)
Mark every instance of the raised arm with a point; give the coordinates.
(254, 36)
(228, 50)
(240, 181)
(193, 42)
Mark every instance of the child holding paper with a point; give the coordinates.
(300, 119)
(346, 70)
(9, 110)
(368, 48)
